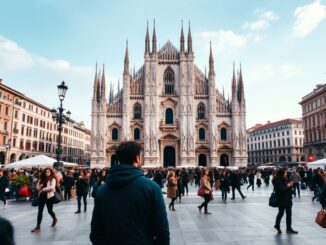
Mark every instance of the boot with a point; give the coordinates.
(291, 231)
(279, 231)
(54, 222)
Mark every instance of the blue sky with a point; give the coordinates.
(281, 45)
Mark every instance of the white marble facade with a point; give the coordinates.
(173, 109)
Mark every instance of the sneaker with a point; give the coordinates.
(291, 231)
(77, 212)
(279, 231)
(36, 229)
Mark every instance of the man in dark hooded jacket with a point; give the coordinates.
(129, 208)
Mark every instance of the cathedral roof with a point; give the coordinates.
(168, 51)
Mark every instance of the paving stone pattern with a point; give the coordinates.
(248, 221)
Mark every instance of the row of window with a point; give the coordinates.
(314, 104)
(274, 144)
(314, 120)
(275, 151)
(201, 112)
(275, 129)
(274, 135)
(201, 134)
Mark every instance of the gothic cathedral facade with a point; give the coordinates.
(173, 109)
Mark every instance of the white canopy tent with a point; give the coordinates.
(321, 163)
(40, 161)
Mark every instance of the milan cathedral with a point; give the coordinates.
(173, 109)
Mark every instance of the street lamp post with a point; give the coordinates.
(6, 156)
(59, 117)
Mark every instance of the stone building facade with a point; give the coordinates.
(276, 142)
(27, 129)
(173, 109)
(314, 120)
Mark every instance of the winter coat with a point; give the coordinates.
(225, 183)
(283, 192)
(172, 188)
(4, 183)
(204, 183)
(129, 209)
(49, 189)
(82, 186)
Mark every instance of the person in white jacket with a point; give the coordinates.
(46, 188)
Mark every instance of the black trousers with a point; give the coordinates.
(79, 197)
(224, 194)
(42, 201)
(207, 198)
(3, 197)
(251, 184)
(184, 187)
(280, 214)
(239, 190)
(172, 202)
(67, 193)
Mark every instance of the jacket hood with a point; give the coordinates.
(120, 175)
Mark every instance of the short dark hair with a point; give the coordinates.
(6, 232)
(127, 152)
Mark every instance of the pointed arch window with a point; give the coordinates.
(136, 134)
(169, 116)
(223, 134)
(201, 134)
(137, 111)
(115, 134)
(201, 111)
(169, 81)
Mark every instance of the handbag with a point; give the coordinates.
(201, 191)
(321, 218)
(57, 195)
(73, 192)
(273, 200)
(35, 201)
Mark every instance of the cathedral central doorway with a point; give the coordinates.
(202, 160)
(224, 160)
(169, 156)
(114, 160)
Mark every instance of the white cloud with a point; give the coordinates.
(222, 40)
(257, 25)
(269, 15)
(265, 17)
(37, 77)
(308, 18)
(290, 71)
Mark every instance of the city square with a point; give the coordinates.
(248, 221)
(115, 103)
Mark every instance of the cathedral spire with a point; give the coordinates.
(111, 93)
(189, 41)
(126, 62)
(154, 48)
(211, 71)
(182, 40)
(147, 48)
(240, 87)
(118, 86)
(234, 84)
(98, 92)
(95, 83)
(103, 85)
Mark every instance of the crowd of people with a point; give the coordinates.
(125, 180)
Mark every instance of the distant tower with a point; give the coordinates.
(99, 102)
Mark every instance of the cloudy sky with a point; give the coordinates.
(280, 44)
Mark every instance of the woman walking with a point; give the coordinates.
(172, 189)
(283, 191)
(225, 185)
(82, 185)
(258, 176)
(205, 183)
(46, 188)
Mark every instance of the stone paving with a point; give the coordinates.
(248, 221)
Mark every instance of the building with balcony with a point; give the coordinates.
(314, 121)
(27, 129)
